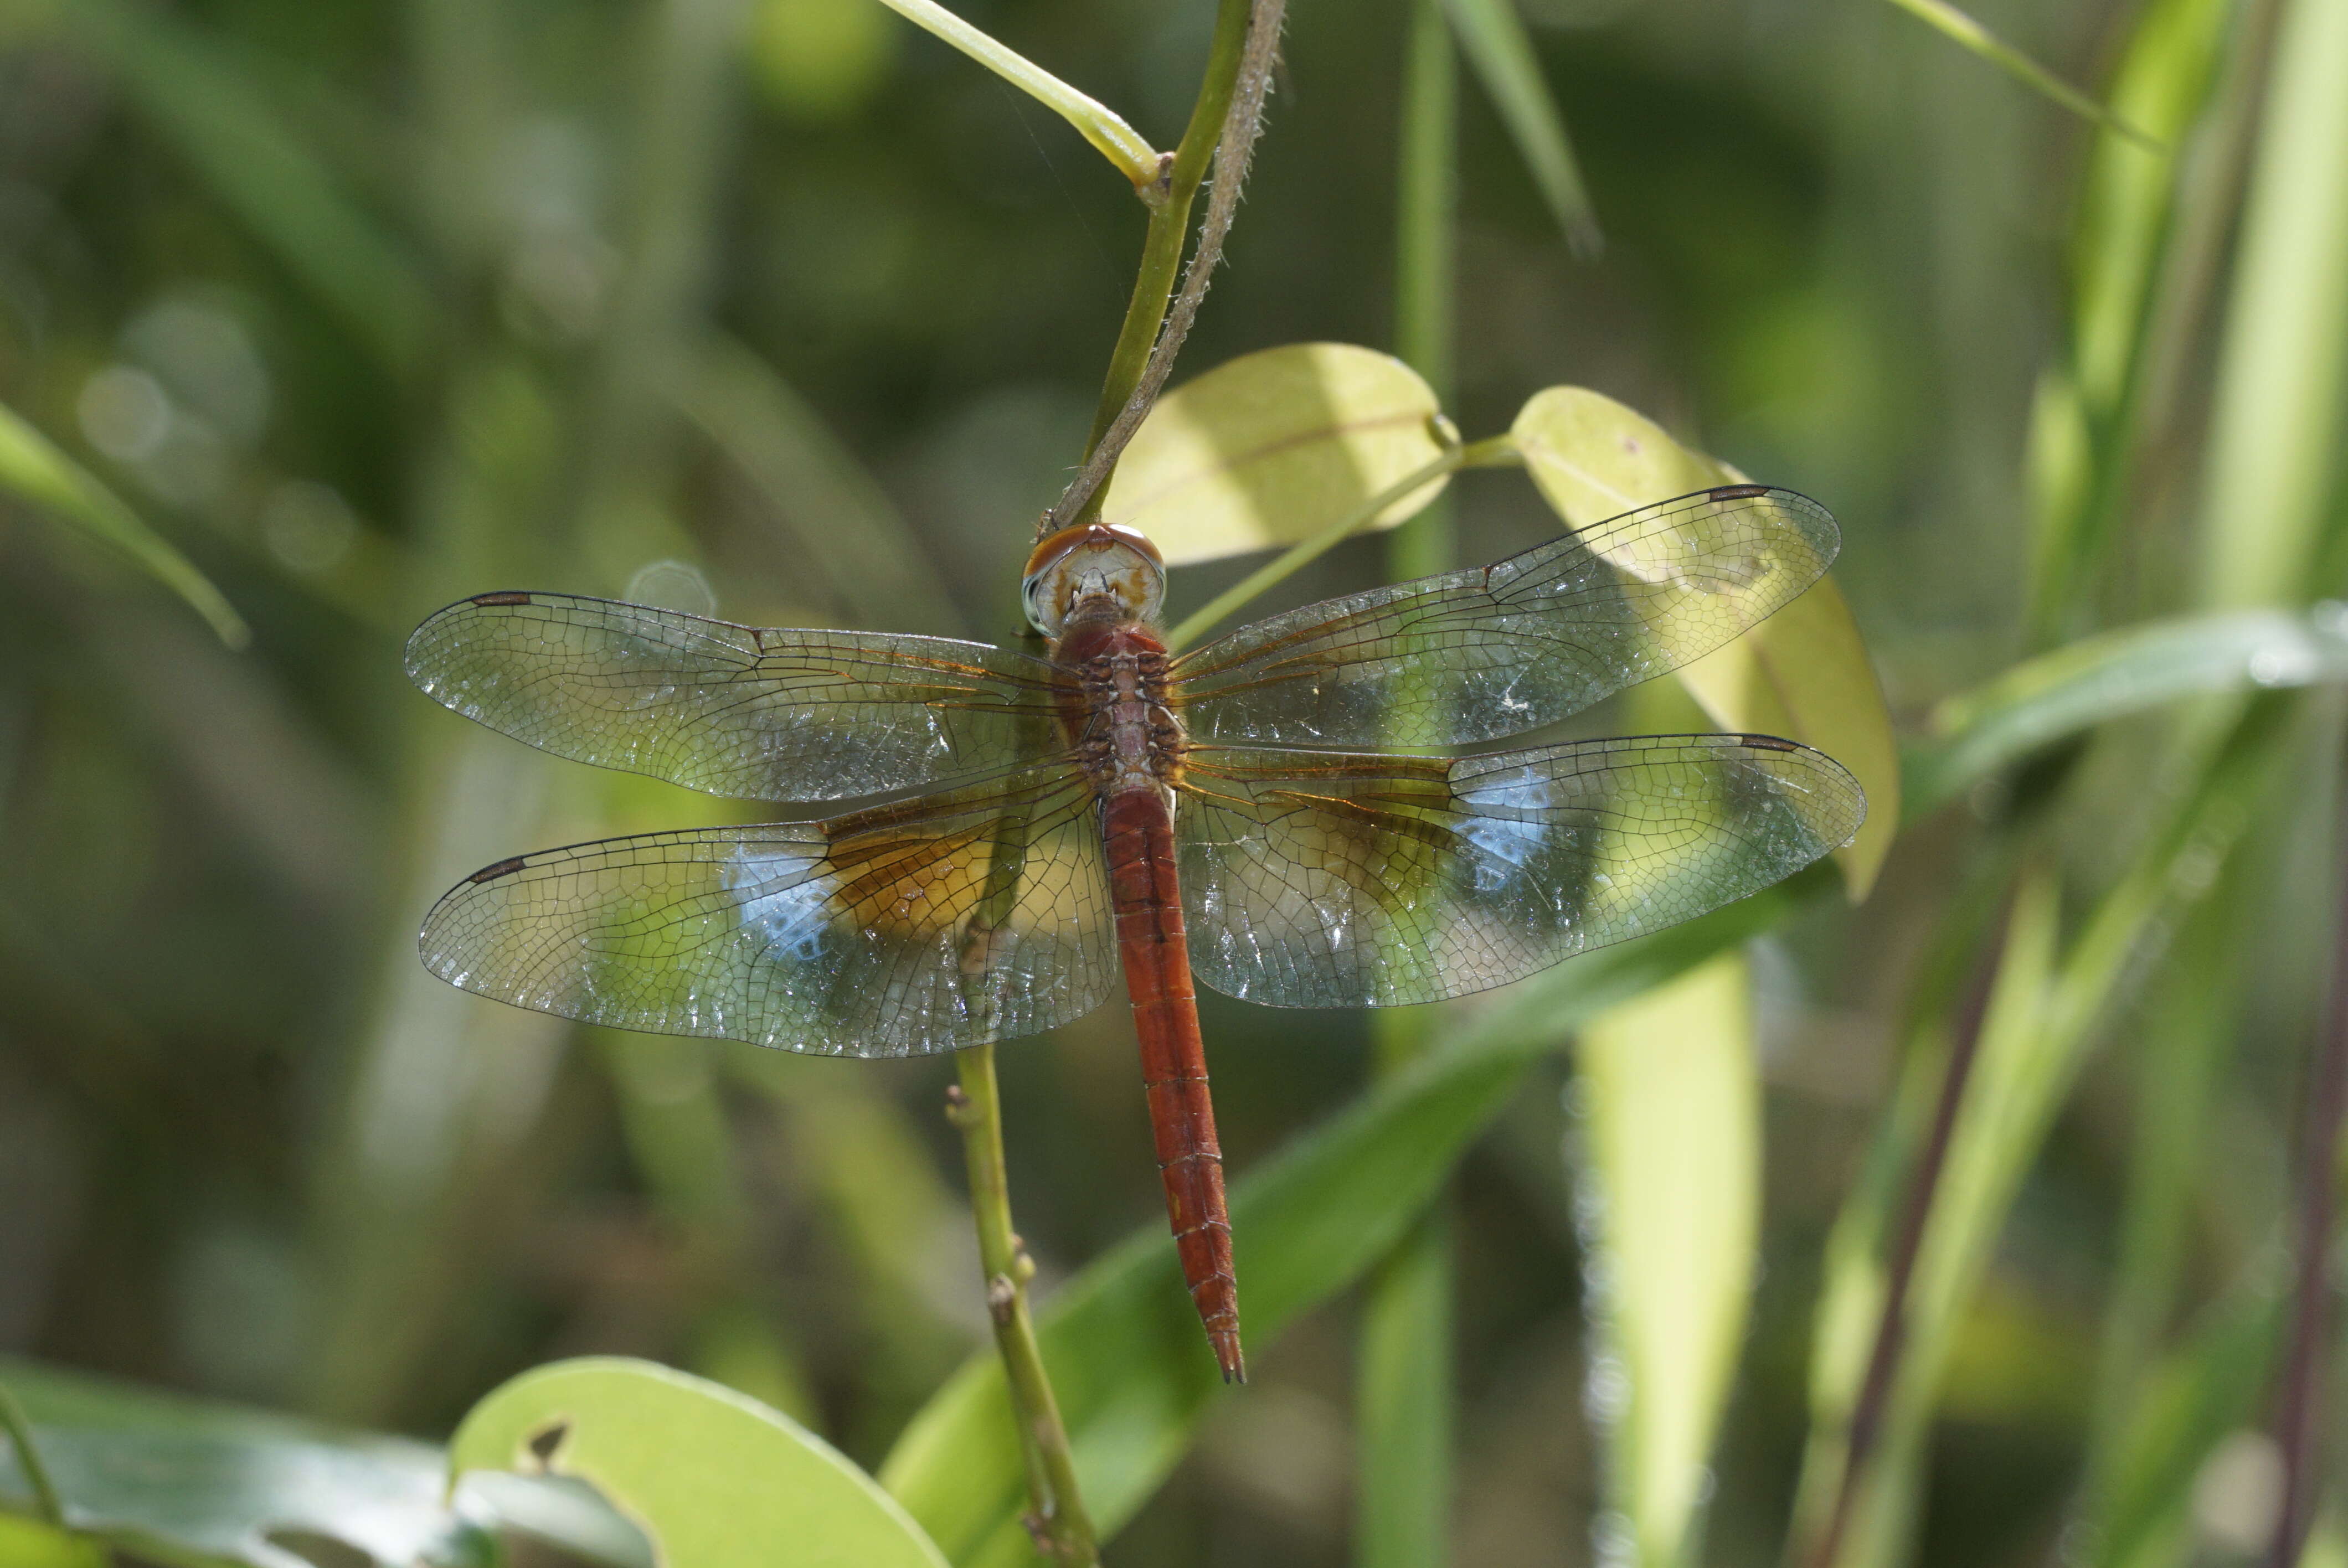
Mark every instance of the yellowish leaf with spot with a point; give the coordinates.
(715, 1477)
(1275, 446)
(1803, 673)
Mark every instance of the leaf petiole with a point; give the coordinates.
(1497, 451)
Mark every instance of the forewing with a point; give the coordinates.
(945, 921)
(1496, 651)
(1326, 879)
(736, 711)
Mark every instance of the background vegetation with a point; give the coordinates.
(782, 308)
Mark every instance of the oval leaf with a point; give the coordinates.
(34, 470)
(714, 1477)
(29, 1544)
(1274, 448)
(1673, 1119)
(1803, 673)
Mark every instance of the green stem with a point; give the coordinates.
(1057, 1521)
(1492, 452)
(1405, 1413)
(1098, 124)
(1170, 222)
(1234, 147)
(46, 1500)
(1426, 187)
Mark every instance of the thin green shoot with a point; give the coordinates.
(36, 470)
(1493, 452)
(1946, 19)
(1095, 121)
(1493, 38)
(45, 1501)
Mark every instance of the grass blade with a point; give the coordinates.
(2041, 1022)
(2209, 1386)
(1406, 1415)
(1494, 39)
(1674, 1137)
(2090, 682)
(2274, 429)
(263, 169)
(838, 515)
(1950, 22)
(1405, 1420)
(2133, 258)
(36, 471)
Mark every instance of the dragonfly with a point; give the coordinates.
(1282, 812)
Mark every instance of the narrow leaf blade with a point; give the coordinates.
(2100, 678)
(1494, 39)
(1674, 1138)
(34, 470)
(261, 169)
(1951, 23)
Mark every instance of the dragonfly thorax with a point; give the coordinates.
(1095, 571)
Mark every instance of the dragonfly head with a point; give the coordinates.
(1103, 568)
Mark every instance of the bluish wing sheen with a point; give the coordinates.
(1496, 651)
(739, 711)
(944, 921)
(1330, 879)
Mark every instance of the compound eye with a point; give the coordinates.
(1032, 592)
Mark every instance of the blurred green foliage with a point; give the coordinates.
(781, 308)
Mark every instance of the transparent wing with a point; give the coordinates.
(734, 709)
(944, 921)
(1496, 651)
(1327, 879)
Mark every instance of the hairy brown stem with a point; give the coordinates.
(1234, 147)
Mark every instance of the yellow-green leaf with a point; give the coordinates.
(1804, 673)
(717, 1478)
(34, 471)
(1674, 1108)
(1274, 446)
(29, 1544)
(1594, 458)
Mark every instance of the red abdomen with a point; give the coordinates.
(1139, 839)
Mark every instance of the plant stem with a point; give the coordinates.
(1235, 145)
(1169, 222)
(1098, 124)
(1492, 452)
(1405, 1413)
(1057, 1521)
(45, 1501)
(2304, 1371)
